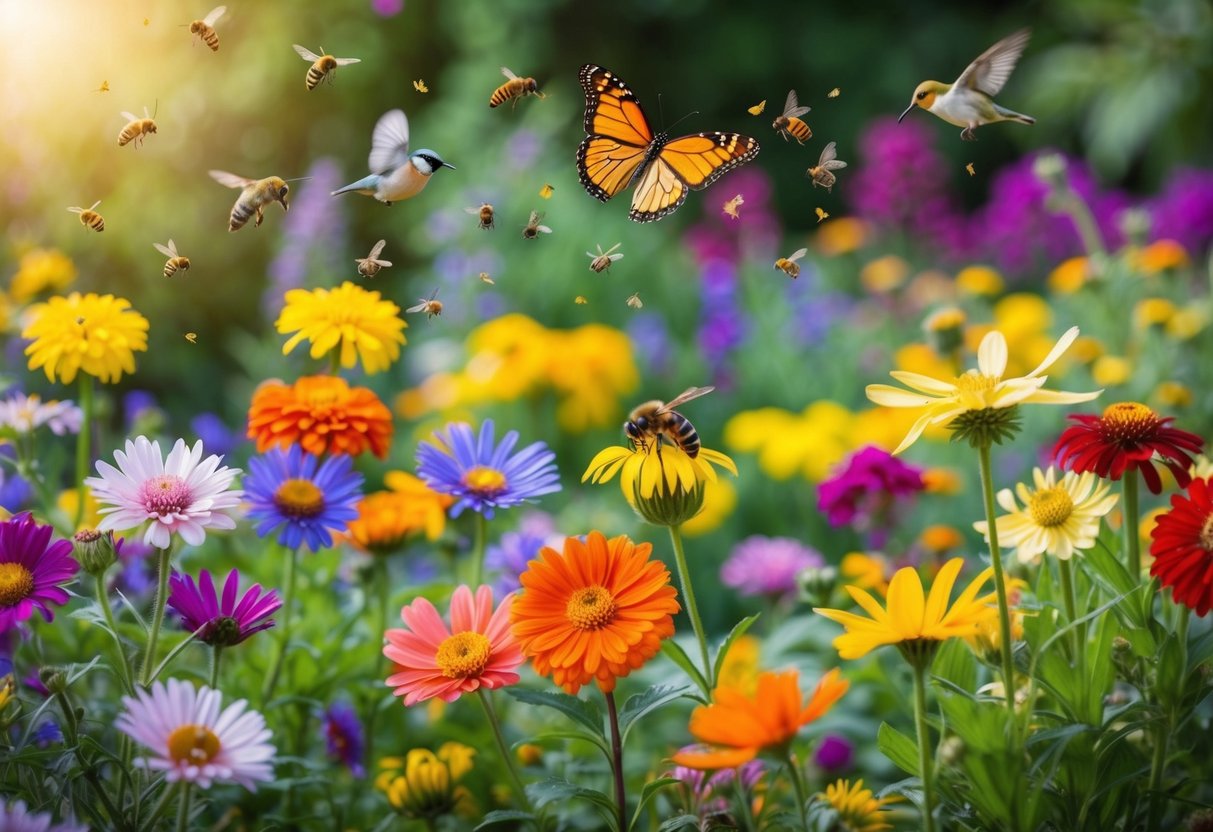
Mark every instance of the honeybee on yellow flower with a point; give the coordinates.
(175, 261)
(430, 306)
(89, 218)
(656, 420)
(788, 265)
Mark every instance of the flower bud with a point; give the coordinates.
(666, 506)
(53, 678)
(816, 584)
(945, 329)
(94, 550)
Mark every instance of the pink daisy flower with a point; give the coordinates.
(433, 661)
(184, 494)
(32, 570)
(192, 740)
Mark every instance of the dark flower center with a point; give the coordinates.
(223, 631)
(16, 584)
(1126, 423)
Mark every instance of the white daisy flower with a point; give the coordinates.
(24, 413)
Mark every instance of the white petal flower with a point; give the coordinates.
(15, 817)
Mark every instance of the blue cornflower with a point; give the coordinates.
(344, 737)
(485, 477)
(286, 489)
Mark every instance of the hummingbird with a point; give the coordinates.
(969, 102)
(396, 174)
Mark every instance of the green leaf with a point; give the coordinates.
(1168, 685)
(580, 710)
(644, 703)
(955, 663)
(574, 734)
(899, 748)
(679, 822)
(650, 790)
(504, 816)
(557, 788)
(679, 657)
(737, 632)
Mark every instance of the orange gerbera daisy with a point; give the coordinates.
(597, 611)
(386, 518)
(322, 414)
(737, 726)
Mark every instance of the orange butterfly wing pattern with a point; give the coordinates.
(620, 148)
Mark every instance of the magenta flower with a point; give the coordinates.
(224, 621)
(32, 570)
(865, 489)
(834, 754)
(767, 565)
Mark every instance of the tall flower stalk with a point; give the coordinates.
(1000, 581)
(82, 446)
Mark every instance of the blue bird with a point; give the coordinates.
(395, 173)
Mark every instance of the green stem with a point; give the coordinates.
(149, 655)
(1132, 533)
(688, 593)
(216, 652)
(490, 713)
(621, 797)
(335, 361)
(71, 733)
(1158, 765)
(183, 809)
(478, 546)
(82, 444)
(284, 637)
(1078, 638)
(103, 599)
(798, 785)
(1000, 582)
(924, 747)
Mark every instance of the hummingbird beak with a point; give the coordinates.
(906, 113)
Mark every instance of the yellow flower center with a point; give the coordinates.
(485, 481)
(1051, 506)
(975, 384)
(298, 499)
(1128, 422)
(947, 318)
(1206, 533)
(591, 608)
(196, 745)
(463, 655)
(16, 584)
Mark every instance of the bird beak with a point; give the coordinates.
(906, 113)
(448, 165)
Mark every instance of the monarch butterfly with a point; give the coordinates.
(621, 149)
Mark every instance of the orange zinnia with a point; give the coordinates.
(386, 518)
(322, 414)
(597, 611)
(737, 726)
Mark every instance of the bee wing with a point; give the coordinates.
(834, 164)
(347, 61)
(215, 14)
(94, 205)
(685, 396)
(230, 180)
(375, 251)
(475, 212)
(389, 142)
(543, 229)
(990, 70)
(419, 307)
(76, 209)
(827, 153)
(305, 53)
(383, 263)
(165, 250)
(535, 215)
(508, 74)
(129, 116)
(797, 254)
(614, 257)
(612, 248)
(792, 108)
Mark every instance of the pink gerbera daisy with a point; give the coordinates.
(193, 741)
(433, 661)
(184, 494)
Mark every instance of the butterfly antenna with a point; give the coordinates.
(684, 118)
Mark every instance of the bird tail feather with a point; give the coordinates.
(1014, 116)
(364, 185)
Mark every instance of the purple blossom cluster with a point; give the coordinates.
(865, 490)
(314, 232)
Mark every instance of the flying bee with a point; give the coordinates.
(788, 265)
(255, 195)
(821, 173)
(321, 66)
(205, 28)
(175, 261)
(789, 123)
(90, 218)
(484, 213)
(533, 228)
(513, 89)
(136, 128)
(430, 306)
(634, 301)
(370, 265)
(485, 277)
(657, 420)
(602, 261)
(732, 205)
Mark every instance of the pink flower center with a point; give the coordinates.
(165, 494)
(194, 745)
(16, 584)
(299, 499)
(486, 482)
(463, 655)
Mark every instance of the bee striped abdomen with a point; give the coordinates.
(129, 132)
(240, 214)
(680, 429)
(799, 130)
(211, 39)
(174, 264)
(92, 220)
(314, 76)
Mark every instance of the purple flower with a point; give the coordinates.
(138, 407)
(1184, 210)
(225, 621)
(47, 734)
(834, 754)
(767, 565)
(864, 490)
(308, 500)
(314, 233)
(32, 570)
(135, 578)
(15, 491)
(343, 736)
(510, 554)
(387, 8)
(708, 795)
(215, 434)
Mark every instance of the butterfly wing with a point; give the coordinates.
(684, 164)
(618, 134)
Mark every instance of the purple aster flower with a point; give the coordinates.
(225, 621)
(707, 795)
(650, 339)
(510, 554)
(767, 565)
(215, 434)
(482, 474)
(834, 754)
(16, 817)
(864, 490)
(32, 570)
(307, 499)
(343, 736)
(138, 408)
(1184, 210)
(134, 578)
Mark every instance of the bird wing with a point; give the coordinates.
(990, 71)
(389, 142)
(305, 53)
(230, 180)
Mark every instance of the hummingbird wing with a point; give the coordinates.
(990, 71)
(389, 142)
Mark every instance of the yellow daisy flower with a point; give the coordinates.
(95, 334)
(660, 481)
(42, 269)
(1060, 518)
(359, 322)
(979, 280)
(424, 784)
(942, 400)
(857, 810)
(915, 622)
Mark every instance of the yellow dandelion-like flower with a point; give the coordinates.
(856, 808)
(361, 323)
(940, 400)
(979, 280)
(42, 270)
(1058, 518)
(660, 481)
(865, 571)
(94, 334)
(1172, 394)
(1153, 312)
(1187, 323)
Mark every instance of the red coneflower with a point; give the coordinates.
(1183, 547)
(1127, 436)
